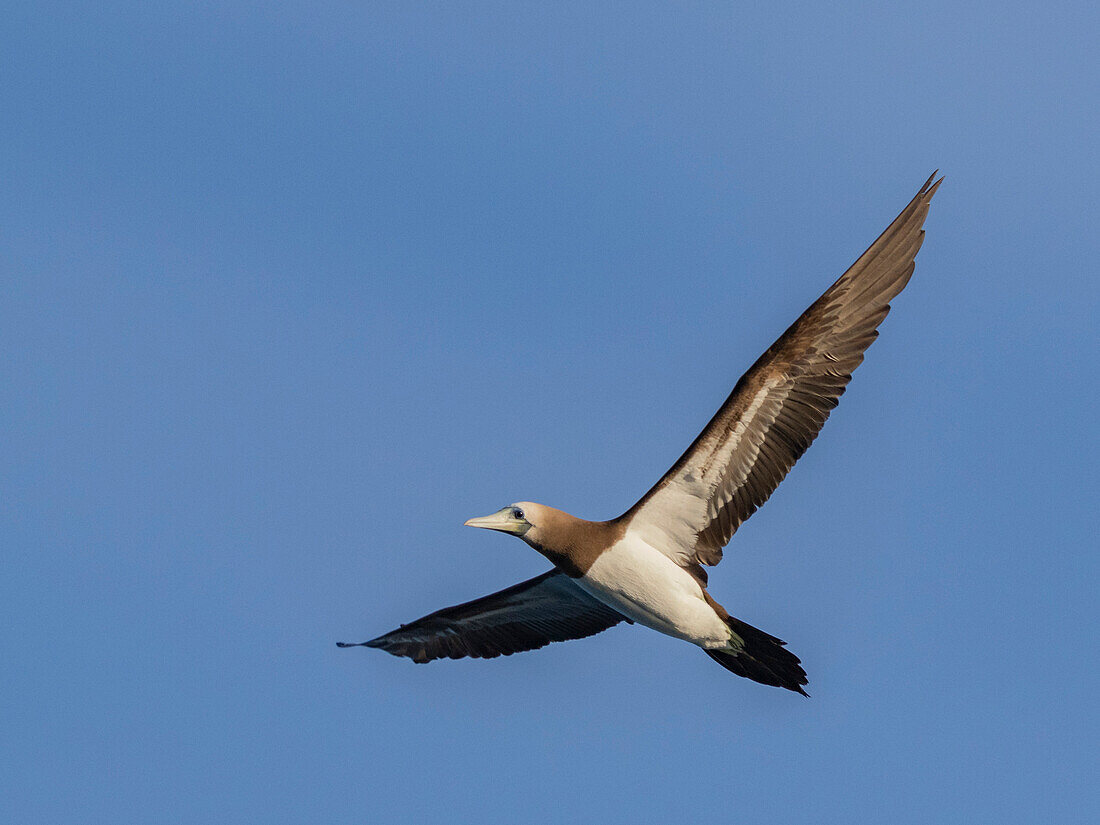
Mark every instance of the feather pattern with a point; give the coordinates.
(778, 407)
(526, 616)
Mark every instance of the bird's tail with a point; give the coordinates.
(760, 657)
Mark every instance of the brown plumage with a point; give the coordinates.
(778, 407)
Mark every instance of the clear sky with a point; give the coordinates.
(289, 291)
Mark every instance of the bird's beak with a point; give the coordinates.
(501, 520)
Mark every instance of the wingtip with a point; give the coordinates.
(932, 184)
(378, 642)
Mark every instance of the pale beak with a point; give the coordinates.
(501, 520)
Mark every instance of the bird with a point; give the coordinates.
(647, 566)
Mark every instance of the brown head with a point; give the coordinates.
(572, 544)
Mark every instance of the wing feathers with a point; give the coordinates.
(526, 616)
(778, 407)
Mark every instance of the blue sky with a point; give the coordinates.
(288, 291)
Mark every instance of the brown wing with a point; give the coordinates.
(779, 406)
(529, 615)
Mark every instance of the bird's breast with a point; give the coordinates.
(648, 587)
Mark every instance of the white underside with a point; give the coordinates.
(647, 586)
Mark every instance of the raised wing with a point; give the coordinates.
(778, 407)
(529, 615)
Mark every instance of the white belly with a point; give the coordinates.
(647, 586)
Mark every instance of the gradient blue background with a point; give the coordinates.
(289, 291)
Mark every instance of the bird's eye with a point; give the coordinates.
(517, 514)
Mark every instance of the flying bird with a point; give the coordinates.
(647, 565)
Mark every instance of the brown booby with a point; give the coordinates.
(646, 566)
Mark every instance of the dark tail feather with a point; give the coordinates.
(762, 659)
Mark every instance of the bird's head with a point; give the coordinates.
(519, 519)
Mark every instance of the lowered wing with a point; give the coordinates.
(526, 616)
